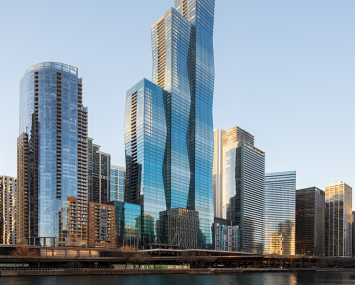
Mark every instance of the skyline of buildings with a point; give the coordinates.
(175, 186)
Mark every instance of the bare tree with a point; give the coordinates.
(127, 252)
(188, 256)
(140, 257)
(202, 258)
(24, 251)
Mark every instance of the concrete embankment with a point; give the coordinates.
(71, 272)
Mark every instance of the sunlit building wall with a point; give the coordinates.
(310, 226)
(8, 189)
(338, 219)
(51, 154)
(117, 183)
(243, 176)
(217, 173)
(279, 213)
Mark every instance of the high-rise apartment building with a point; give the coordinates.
(243, 176)
(279, 213)
(8, 189)
(117, 174)
(338, 219)
(353, 230)
(168, 122)
(51, 154)
(99, 168)
(310, 206)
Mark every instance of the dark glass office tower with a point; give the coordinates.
(51, 156)
(310, 206)
(182, 90)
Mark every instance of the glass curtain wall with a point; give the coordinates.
(54, 123)
(280, 206)
(310, 206)
(117, 183)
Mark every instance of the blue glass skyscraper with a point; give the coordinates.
(180, 150)
(52, 156)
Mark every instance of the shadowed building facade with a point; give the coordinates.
(178, 227)
(99, 167)
(169, 124)
(310, 235)
(51, 154)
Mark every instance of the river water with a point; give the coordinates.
(308, 278)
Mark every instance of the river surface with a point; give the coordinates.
(304, 278)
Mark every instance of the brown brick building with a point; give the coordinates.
(101, 225)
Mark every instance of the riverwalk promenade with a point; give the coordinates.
(195, 271)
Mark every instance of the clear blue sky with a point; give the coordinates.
(285, 72)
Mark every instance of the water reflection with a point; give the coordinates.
(311, 278)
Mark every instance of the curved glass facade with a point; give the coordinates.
(280, 213)
(54, 123)
(145, 139)
(183, 67)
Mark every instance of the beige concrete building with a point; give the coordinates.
(8, 188)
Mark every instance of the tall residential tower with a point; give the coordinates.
(51, 155)
(168, 123)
